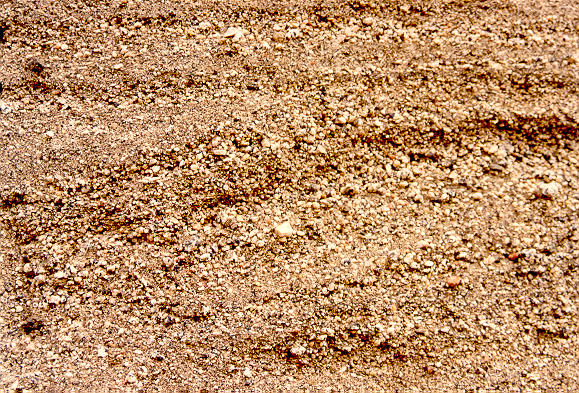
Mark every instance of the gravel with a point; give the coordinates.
(327, 196)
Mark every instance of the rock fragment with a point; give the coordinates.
(102, 352)
(368, 21)
(278, 36)
(453, 281)
(298, 350)
(284, 230)
(235, 33)
(547, 190)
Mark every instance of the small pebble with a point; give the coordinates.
(54, 299)
(298, 350)
(278, 36)
(547, 190)
(514, 256)
(102, 352)
(235, 33)
(284, 230)
(453, 281)
(368, 21)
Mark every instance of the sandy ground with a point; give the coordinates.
(312, 196)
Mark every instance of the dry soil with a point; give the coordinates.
(297, 196)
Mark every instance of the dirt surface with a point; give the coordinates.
(297, 196)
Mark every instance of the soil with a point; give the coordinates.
(297, 196)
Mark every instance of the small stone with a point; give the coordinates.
(418, 198)
(351, 31)
(547, 190)
(453, 281)
(191, 243)
(190, 32)
(349, 190)
(462, 256)
(492, 149)
(502, 152)
(101, 352)
(284, 230)
(298, 350)
(423, 244)
(278, 36)
(477, 196)
(496, 168)
(235, 33)
(131, 379)
(373, 187)
(397, 117)
(247, 373)
(405, 174)
(230, 32)
(514, 256)
(368, 21)
(409, 258)
(293, 34)
(54, 299)
(3, 107)
(220, 152)
(495, 66)
(205, 25)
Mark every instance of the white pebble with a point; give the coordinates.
(284, 230)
